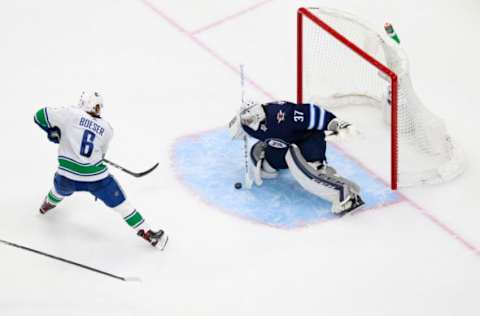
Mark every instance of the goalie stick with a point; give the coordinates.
(135, 174)
(248, 180)
(8, 243)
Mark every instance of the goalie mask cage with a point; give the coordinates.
(363, 77)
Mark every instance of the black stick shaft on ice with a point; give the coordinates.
(135, 174)
(63, 260)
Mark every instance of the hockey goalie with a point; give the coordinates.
(293, 136)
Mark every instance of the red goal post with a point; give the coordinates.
(337, 41)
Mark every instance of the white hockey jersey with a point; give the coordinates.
(83, 144)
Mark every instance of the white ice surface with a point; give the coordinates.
(161, 82)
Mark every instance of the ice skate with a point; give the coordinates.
(158, 238)
(46, 206)
(352, 205)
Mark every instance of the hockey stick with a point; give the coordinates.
(135, 174)
(248, 181)
(69, 261)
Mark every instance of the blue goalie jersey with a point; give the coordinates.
(286, 123)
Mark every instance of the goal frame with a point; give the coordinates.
(305, 13)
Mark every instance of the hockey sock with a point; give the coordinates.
(135, 220)
(131, 216)
(54, 198)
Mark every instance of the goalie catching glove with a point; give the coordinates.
(339, 129)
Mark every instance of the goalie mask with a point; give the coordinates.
(91, 103)
(252, 114)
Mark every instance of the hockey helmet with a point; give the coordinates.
(91, 102)
(252, 114)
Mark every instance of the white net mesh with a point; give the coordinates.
(341, 80)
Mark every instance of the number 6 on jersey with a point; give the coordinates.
(86, 148)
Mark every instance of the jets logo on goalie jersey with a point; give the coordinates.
(291, 122)
(83, 143)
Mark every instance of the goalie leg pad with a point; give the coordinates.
(262, 169)
(342, 193)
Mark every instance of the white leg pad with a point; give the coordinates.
(331, 187)
(259, 166)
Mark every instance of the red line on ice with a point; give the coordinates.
(230, 17)
(206, 48)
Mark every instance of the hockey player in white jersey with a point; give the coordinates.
(83, 137)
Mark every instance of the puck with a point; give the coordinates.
(238, 185)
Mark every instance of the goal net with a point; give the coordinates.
(363, 77)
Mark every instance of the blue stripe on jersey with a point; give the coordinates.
(46, 117)
(313, 111)
(322, 119)
(40, 124)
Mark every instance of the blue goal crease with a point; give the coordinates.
(211, 163)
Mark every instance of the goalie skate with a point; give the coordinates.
(157, 239)
(352, 205)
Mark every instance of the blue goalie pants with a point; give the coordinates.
(313, 148)
(108, 190)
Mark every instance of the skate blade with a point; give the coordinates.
(162, 246)
(354, 210)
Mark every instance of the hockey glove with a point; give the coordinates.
(263, 170)
(235, 128)
(339, 129)
(54, 135)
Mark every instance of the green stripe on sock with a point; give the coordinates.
(81, 169)
(41, 118)
(134, 220)
(54, 198)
